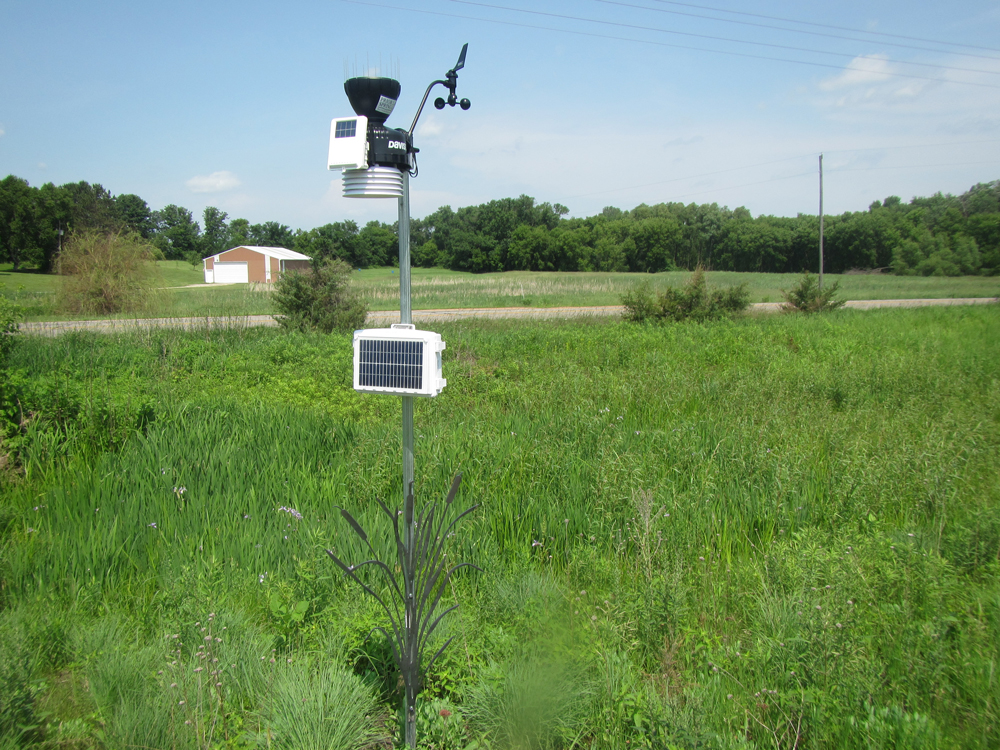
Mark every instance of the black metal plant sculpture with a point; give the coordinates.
(415, 591)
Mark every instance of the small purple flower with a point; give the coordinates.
(291, 511)
(152, 525)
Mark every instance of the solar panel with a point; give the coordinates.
(399, 361)
(387, 363)
(345, 129)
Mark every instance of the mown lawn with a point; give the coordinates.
(774, 532)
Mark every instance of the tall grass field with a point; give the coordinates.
(777, 532)
(183, 294)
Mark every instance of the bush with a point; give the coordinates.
(695, 301)
(808, 297)
(107, 273)
(319, 300)
(10, 319)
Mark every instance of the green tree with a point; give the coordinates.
(336, 240)
(239, 233)
(215, 237)
(94, 208)
(18, 230)
(376, 245)
(135, 215)
(320, 299)
(178, 235)
(272, 234)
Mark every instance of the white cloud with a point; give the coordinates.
(217, 182)
(862, 70)
(2, 131)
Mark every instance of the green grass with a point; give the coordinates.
(435, 288)
(781, 531)
(438, 288)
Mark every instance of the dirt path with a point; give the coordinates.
(384, 318)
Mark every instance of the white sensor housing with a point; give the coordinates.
(400, 361)
(348, 143)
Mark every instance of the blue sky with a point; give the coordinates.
(587, 103)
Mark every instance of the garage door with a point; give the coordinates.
(231, 273)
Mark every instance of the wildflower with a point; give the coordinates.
(180, 703)
(152, 525)
(445, 713)
(636, 432)
(246, 516)
(536, 543)
(292, 512)
(263, 576)
(730, 696)
(31, 530)
(173, 684)
(839, 625)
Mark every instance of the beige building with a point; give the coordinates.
(252, 264)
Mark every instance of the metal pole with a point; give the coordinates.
(821, 222)
(405, 316)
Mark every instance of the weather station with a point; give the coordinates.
(377, 162)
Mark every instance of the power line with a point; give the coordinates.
(711, 37)
(910, 166)
(783, 28)
(653, 43)
(827, 26)
(804, 156)
(912, 145)
(690, 177)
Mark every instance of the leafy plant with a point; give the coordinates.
(694, 301)
(807, 297)
(107, 273)
(320, 299)
(11, 315)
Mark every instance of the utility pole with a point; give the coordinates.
(821, 222)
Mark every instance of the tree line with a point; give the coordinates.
(940, 235)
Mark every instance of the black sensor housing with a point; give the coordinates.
(375, 99)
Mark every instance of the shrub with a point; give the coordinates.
(808, 297)
(319, 300)
(107, 273)
(694, 301)
(10, 319)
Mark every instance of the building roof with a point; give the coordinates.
(272, 252)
